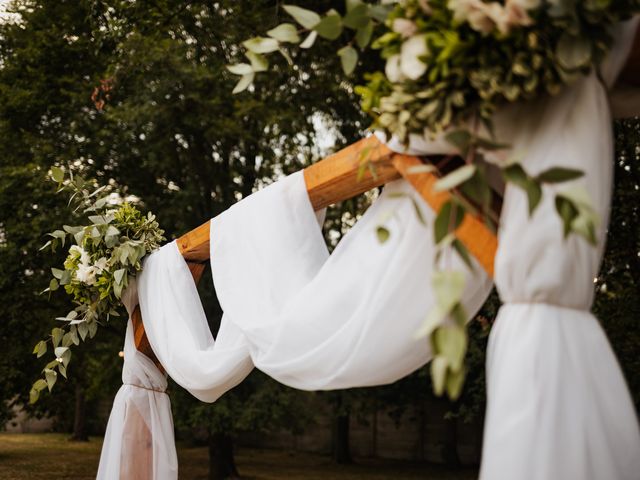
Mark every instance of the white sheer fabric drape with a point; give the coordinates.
(139, 442)
(307, 319)
(558, 405)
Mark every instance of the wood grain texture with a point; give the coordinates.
(351, 171)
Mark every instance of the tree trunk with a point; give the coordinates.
(80, 433)
(341, 451)
(221, 462)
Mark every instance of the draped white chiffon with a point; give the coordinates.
(307, 319)
(139, 442)
(557, 404)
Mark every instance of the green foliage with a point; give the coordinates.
(102, 258)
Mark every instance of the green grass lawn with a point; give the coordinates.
(52, 456)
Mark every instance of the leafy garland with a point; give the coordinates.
(451, 64)
(103, 256)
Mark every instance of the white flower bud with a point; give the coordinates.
(410, 63)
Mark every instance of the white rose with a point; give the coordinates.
(392, 69)
(86, 274)
(101, 265)
(410, 64)
(404, 27)
(78, 252)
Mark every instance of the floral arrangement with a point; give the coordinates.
(103, 256)
(449, 65)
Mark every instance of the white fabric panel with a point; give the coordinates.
(558, 406)
(309, 320)
(139, 440)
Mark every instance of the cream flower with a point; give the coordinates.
(86, 274)
(78, 252)
(404, 27)
(392, 69)
(101, 265)
(411, 65)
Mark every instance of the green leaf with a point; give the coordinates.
(447, 221)
(515, 174)
(60, 351)
(285, 32)
(357, 17)
(56, 336)
(118, 275)
(83, 330)
(461, 139)
(240, 68)
(348, 59)
(40, 349)
(261, 45)
(307, 18)
(330, 27)
(244, 83)
(464, 253)
(33, 396)
(40, 384)
(310, 40)
(259, 63)
(50, 376)
(63, 370)
(57, 273)
(438, 374)
(455, 178)
(66, 277)
(448, 287)
(383, 234)
(451, 343)
(363, 35)
(455, 382)
(57, 174)
(559, 175)
(53, 285)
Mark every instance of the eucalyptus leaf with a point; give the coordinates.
(455, 178)
(259, 63)
(364, 34)
(261, 45)
(307, 18)
(451, 343)
(240, 68)
(357, 17)
(348, 59)
(244, 83)
(455, 382)
(310, 40)
(438, 374)
(57, 174)
(50, 376)
(56, 336)
(559, 175)
(330, 27)
(383, 234)
(40, 384)
(285, 32)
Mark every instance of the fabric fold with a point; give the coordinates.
(307, 319)
(139, 441)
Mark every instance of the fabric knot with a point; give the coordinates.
(146, 388)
